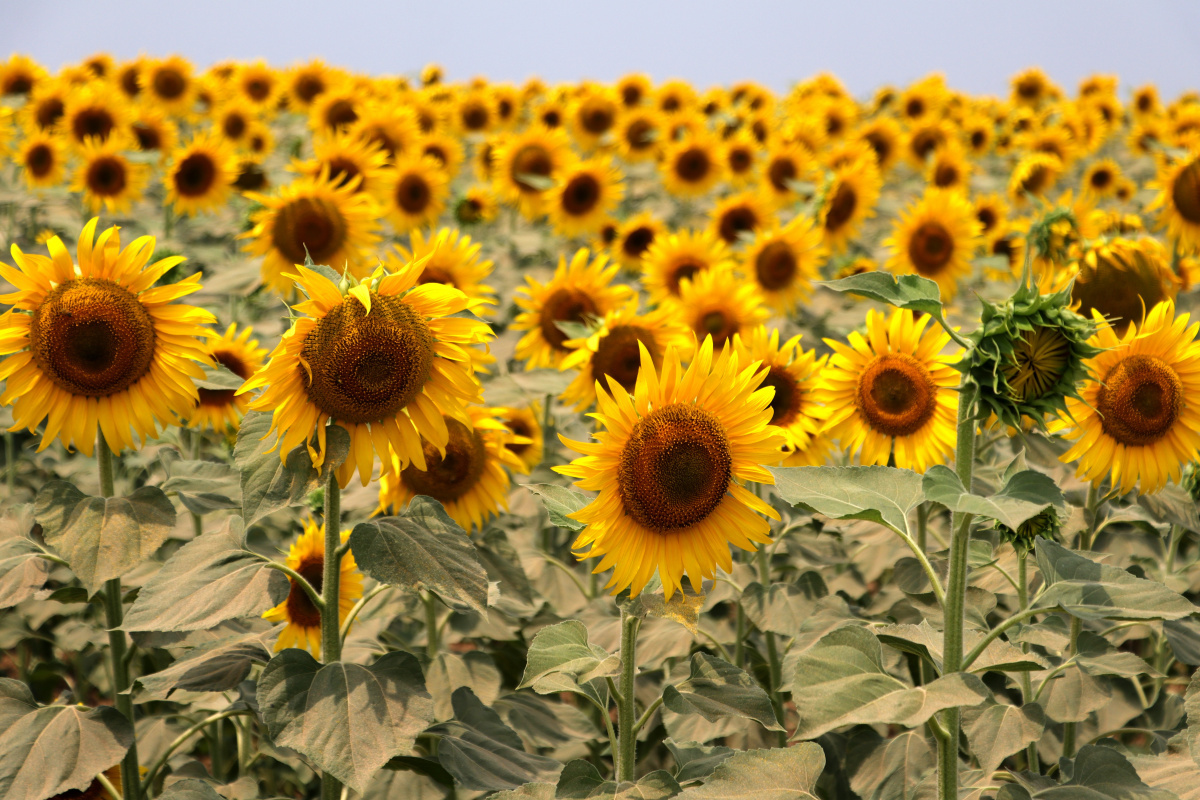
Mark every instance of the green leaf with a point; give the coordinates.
(448, 671)
(528, 791)
(1102, 771)
(1073, 695)
(1172, 504)
(541, 382)
(894, 768)
(695, 761)
(999, 731)
(204, 486)
(48, 750)
(423, 548)
(784, 773)
(219, 378)
(483, 753)
(783, 607)
(578, 780)
(1090, 590)
(207, 581)
(564, 648)
(348, 719)
(560, 501)
(903, 291)
(880, 494)
(542, 723)
(841, 681)
(1023, 496)
(103, 538)
(22, 570)
(218, 666)
(190, 789)
(926, 641)
(718, 689)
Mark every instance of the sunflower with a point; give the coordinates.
(635, 236)
(478, 205)
(979, 134)
(578, 291)
(935, 238)
(304, 83)
(95, 113)
(784, 261)
(634, 89)
(739, 216)
(992, 214)
(1034, 174)
(417, 191)
(793, 373)
(474, 112)
(169, 82)
(383, 359)
(336, 108)
(107, 179)
(43, 159)
(237, 352)
(551, 114)
(90, 345)
(20, 75)
(443, 148)
(716, 303)
(675, 257)
(885, 136)
(638, 134)
(1121, 278)
(307, 557)
(891, 393)
(260, 85)
(45, 107)
(201, 175)
(1134, 420)
(348, 159)
(394, 128)
(785, 166)
(612, 351)
(466, 475)
(849, 200)
(1031, 87)
(1178, 199)
(949, 168)
(451, 259)
(669, 464)
(527, 442)
(529, 163)
(153, 131)
(311, 218)
(924, 139)
(233, 120)
(742, 155)
(691, 167)
(587, 193)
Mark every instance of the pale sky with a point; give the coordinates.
(977, 45)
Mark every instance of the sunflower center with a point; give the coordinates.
(20, 83)
(97, 122)
(106, 176)
(775, 266)
(1037, 363)
(307, 87)
(1101, 179)
(987, 218)
(945, 175)
(618, 356)
(342, 171)
(740, 160)
(596, 120)
(682, 271)
(340, 113)
(531, 160)
(1140, 400)
(638, 134)
(978, 139)
(234, 126)
(1118, 287)
(148, 137)
(1036, 180)
(675, 468)
(924, 142)
(223, 397)
(413, 194)
(719, 324)
(437, 274)
(367, 367)
(785, 405)
(92, 337)
(1185, 193)
(841, 207)
(195, 175)
(551, 118)
(896, 394)
(736, 220)
(581, 195)
(930, 248)
(300, 608)
(692, 165)
(565, 305)
(169, 84)
(521, 428)
(781, 171)
(450, 477)
(310, 223)
(251, 178)
(475, 117)
(638, 241)
(258, 89)
(49, 111)
(880, 144)
(40, 160)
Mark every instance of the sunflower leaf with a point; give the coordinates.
(880, 494)
(1024, 495)
(348, 719)
(219, 378)
(783, 773)
(270, 484)
(22, 570)
(203, 486)
(421, 547)
(559, 502)
(216, 667)
(189, 789)
(717, 689)
(103, 538)
(1001, 730)
(903, 291)
(563, 650)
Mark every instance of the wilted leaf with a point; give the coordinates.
(880, 494)
(717, 689)
(683, 607)
(560, 501)
(1090, 590)
(784, 773)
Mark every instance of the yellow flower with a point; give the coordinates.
(673, 258)
(238, 353)
(527, 442)
(692, 166)
(935, 238)
(850, 200)
(416, 192)
(1178, 199)
(201, 175)
(717, 303)
(784, 261)
(451, 259)
(794, 374)
(107, 179)
(588, 192)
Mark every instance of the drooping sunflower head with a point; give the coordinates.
(220, 409)
(717, 304)
(451, 259)
(581, 290)
(587, 193)
(669, 463)
(91, 344)
(739, 216)
(107, 178)
(1122, 278)
(676, 257)
(307, 557)
(849, 199)
(383, 358)
(784, 261)
(935, 238)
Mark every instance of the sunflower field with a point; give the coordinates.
(389, 437)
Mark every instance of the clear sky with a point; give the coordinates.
(978, 45)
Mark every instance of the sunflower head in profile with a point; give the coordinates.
(717, 304)
(739, 216)
(451, 259)
(311, 219)
(669, 463)
(935, 238)
(1178, 198)
(92, 343)
(307, 557)
(467, 475)
(220, 409)
(612, 351)
(43, 160)
(384, 358)
(201, 174)
(580, 291)
(1034, 175)
(992, 213)
(1122, 277)
(527, 442)
(476, 206)
(635, 236)
(528, 165)
(691, 166)
(891, 393)
(585, 196)
(849, 199)
(107, 179)
(676, 257)
(784, 261)
(1136, 421)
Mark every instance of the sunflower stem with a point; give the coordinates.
(922, 525)
(956, 589)
(1068, 745)
(331, 640)
(431, 625)
(114, 611)
(1031, 752)
(775, 670)
(626, 701)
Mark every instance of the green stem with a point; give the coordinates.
(1068, 747)
(739, 645)
(218, 751)
(1172, 546)
(626, 700)
(114, 612)
(331, 639)
(1031, 752)
(1090, 511)
(647, 714)
(956, 589)
(775, 667)
(922, 524)
(178, 742)
(431, 624)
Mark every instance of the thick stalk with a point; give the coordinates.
(1068, 748)
(776, 672)
(1031, 752)
(956, 589)
(922, 525)
(331, 639)
(1091, 512)
(431, 625)
(627, 701)
(114, 612)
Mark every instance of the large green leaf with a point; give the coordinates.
(880, 494)
(1092, 590)
(348, 719)
(203, 486)
(926, 641)
(449, 671)
(1073, 695)
(560, 501)
(894, 768)
(207, 581)
(718, 689)
(541, 722)
(580, 780)
(1024, 495)
(215, 667)
(483, 753)
(48, 750)
(422, 548)
(784, 773)
(189, 789)
(695, 761)
(563, 650)
(103, 538)
(1000, 730)
(783, 607)
(841, 681)
(1101, 772)
(903, 291)
(22, 570)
